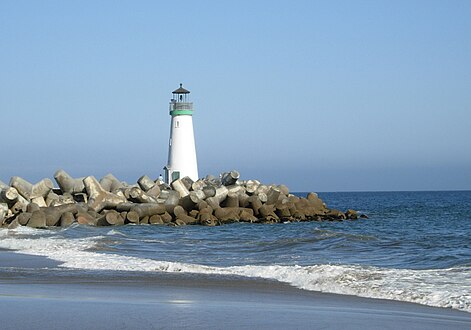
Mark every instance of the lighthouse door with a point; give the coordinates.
(175, 175)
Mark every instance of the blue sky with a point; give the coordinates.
(319, 95)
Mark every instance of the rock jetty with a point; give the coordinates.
(210, 201)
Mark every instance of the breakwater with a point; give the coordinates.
(106, 202)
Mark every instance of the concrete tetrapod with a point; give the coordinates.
(67, 184)
(145, 183)
(37, 219)
(230, 178)
(42, 188)
(22, 186)
(98, 197)
(8, 195)
(54, 213)
(67, 219)
(110, 183)
(3, 212)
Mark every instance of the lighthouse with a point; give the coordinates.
(181, 148)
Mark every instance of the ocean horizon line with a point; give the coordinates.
(381, 191)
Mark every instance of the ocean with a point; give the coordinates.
(415, 247)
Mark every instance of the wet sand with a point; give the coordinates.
(30, 298)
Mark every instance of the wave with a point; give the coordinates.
(450, 288)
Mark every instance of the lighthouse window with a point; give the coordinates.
(177, 124)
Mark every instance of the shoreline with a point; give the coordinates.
(76, 299)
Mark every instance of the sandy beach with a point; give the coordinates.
(123, 300)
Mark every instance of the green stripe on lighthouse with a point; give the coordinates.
(181, 112)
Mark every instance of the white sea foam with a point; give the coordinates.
(113, 232)
(435, 287)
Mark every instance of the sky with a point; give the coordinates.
(318, 95)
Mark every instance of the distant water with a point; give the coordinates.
(416, 246)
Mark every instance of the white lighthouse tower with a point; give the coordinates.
(181, 149)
